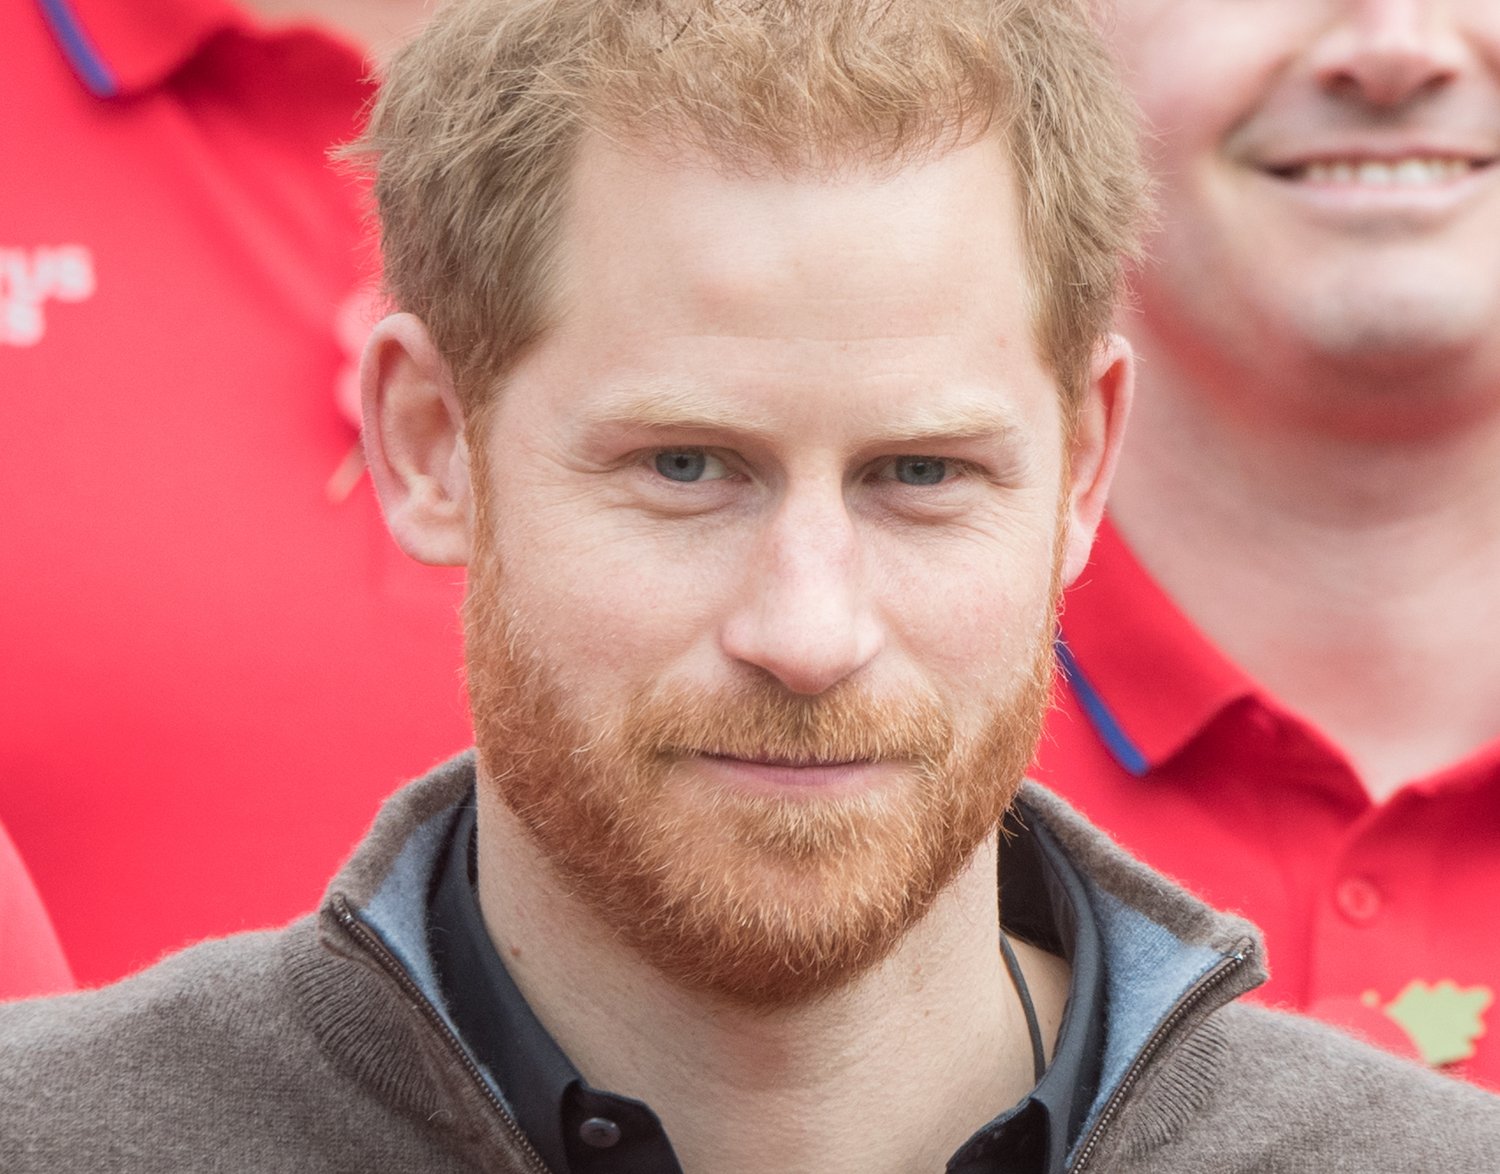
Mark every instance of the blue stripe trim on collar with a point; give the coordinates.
(86, 60)
(1116, 740)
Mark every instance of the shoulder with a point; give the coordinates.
(91, 1077)
(33, 961)
(1271, 1091)
(202, 998)
(206, 1059)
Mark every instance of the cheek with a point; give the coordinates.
(1167, 52)
(620, 601)
(1199, 68)
(971, 619)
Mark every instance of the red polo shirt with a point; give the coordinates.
(31, 960)
(215, 661)
(1378, 917)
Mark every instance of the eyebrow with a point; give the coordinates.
(681, 407)
(675, 406)
(966, 420)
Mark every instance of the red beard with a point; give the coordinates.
(765, 901)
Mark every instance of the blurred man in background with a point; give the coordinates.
(202, 619)
(1284, 658)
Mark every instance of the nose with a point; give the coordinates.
(805, 614)
(1386, 53)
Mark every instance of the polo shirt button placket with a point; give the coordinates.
(599, 1132)
(1358, 900)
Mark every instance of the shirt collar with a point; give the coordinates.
(120, 47)
(1147, 678)
(1043, 899)
(123, 47)
(546, 1094)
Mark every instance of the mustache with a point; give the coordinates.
(760, 721)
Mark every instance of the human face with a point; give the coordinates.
(1327, 180)
(765, 557)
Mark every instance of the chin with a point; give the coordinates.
(1393, 332)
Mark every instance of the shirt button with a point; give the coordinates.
(599, 1132)
(1358, 900)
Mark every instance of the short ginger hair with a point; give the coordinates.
(478, 120)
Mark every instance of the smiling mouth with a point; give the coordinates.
(1414, 171)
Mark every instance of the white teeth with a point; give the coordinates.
(1383, 174)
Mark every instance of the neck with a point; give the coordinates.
(1346, 560)
(930, 1044)
(378, 27)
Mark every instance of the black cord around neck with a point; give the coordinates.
(1018, 980)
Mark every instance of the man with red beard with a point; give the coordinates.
(754, 358)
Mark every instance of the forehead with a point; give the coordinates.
(806, 314)
(661, 240)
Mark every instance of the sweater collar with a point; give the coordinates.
(1165, 954)
(554, 1105)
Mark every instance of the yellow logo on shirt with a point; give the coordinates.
(1442, 1020)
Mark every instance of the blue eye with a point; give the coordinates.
(920, 470)
(688, 465)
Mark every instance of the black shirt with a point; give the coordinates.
(578, 1129)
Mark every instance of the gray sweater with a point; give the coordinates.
(326, 1047)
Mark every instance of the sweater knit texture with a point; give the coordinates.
(322, 1047)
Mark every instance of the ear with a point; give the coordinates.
(1098, 433)
(414, 442)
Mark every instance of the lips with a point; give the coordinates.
(771, 761)
(785, 777)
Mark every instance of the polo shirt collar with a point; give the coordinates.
(1043, 900)
(123, 47)
(1146, 677)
